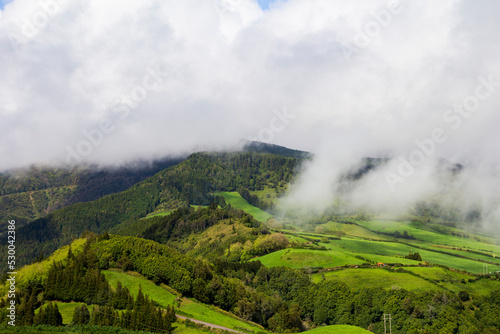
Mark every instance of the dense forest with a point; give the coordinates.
(28, 194)
(78, 279)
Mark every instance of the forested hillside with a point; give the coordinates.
(192, 182)
(28, 194)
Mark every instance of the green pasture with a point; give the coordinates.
(301, 258)
(66, 310)
(398, 250)
(240, 203)
(428, 234)
(157, 214)
(376, 278)
(355, 231)
(466, 253)
(189, 308)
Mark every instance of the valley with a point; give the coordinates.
(205, 237)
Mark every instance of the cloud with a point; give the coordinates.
(369, 77)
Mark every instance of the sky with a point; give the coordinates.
(101, 82)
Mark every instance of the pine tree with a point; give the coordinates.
(81, 315)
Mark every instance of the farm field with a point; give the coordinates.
(240, 203)
(427, 234)
(464, 252)
(354, 230)
(398, 249)
(428, 279)
(376, 278)
(301, 258)
(187, 307)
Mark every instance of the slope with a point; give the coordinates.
(28, 194)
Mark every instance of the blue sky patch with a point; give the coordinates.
(264, 4)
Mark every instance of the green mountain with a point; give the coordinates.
(191, 182)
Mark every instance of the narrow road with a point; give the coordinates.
(208, 324)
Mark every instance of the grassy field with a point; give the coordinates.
(355, 231)
(301, 258)
(162, 296)
(439, 274)
(430, 235)
(428, 279)
(189, 308)
(296, 238)
(240, 203)
(156, 214)
(338, 329)
(376, 278)
(397, 249)
(465, 252)
(66, 310)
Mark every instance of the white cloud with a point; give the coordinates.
(230, 64)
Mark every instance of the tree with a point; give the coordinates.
(48, 315)
(81, 315)
(463, 295)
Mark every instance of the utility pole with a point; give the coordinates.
(387, 317)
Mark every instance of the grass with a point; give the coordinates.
(355, 231)
(156, 214)
(301, 258)
(338, 329)
(398, 249)
(240, 203)
(162, 296)
(466, 253)
(439, 274)
(426, 233)
(482, 287)
(296, 238)
(428, 279)
(66, 310)
(376, 278)
(188, 307)
(348, 251)
(40, 270)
